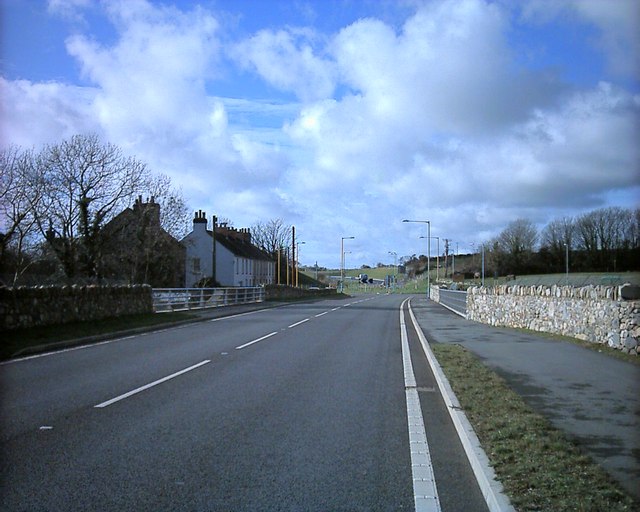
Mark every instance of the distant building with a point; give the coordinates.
(238, 261)
(137, 249)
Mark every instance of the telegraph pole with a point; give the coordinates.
(213, 263)
(294, 277)
(446, 255)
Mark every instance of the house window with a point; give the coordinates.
(195, 265)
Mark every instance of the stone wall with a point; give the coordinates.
(24, 307)
(593, 313)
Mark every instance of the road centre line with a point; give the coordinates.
(298, 323)
(150, 385)
(321, 314)
(256, 341)
(425, 492)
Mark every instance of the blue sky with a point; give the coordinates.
(344, 117)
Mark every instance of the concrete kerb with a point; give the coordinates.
(490, 487)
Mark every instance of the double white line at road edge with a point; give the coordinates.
(150, 385)
(425, 493)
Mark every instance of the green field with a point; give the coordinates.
(419, 284)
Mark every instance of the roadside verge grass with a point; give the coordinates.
(538, 466)
(23, 340)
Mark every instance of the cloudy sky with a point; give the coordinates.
(344, 117)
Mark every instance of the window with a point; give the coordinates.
(195, 265)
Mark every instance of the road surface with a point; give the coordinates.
(302, 407)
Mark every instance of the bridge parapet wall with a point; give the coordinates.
(26, 307)
(598, 314)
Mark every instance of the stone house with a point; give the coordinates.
(237, 261)
(136, 249)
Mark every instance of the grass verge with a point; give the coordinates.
(14, 342)
(538, 466)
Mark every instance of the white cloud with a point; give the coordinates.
(432, 120)
(39, 113)
(618, 23)
(69, 9)
(286, 59)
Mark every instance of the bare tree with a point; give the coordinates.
(558, 234)
(271, 235)
(17, 205)
(174, 212)
(83, 183)
(602, 232)
(515, 245)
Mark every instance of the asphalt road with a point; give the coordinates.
(302, 407)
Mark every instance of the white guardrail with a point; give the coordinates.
(182, 299)
(455, 300)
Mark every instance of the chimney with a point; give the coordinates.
(200, 221)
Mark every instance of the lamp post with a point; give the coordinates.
(566, 260)
(342, 260)
(395, 268)
(483, 265)
(428, 223)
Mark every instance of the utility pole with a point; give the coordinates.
(294, 277)
(213, 262)
(446, 255)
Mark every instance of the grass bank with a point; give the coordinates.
(24, 340)
(539, 467)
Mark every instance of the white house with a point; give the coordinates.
(237, 261)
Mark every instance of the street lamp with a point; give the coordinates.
(428, 223)
(342, 260)
(566, 259)
(395, 268)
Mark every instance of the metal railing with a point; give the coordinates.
(454, 300)
(183, 299)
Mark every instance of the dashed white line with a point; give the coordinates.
(320, 314)
(150, 385)
(298, 323)
(256, 341)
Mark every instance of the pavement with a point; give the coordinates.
(589, 395)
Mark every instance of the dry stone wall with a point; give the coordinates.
(24, 307)
(593, 313)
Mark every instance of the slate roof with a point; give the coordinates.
(241, 247)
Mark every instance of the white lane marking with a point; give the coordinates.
(298, 323)
(256, 341)
(336, 309)
(150, 385)
(320, 314)
(425, 493)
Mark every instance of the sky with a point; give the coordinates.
(344, 117)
